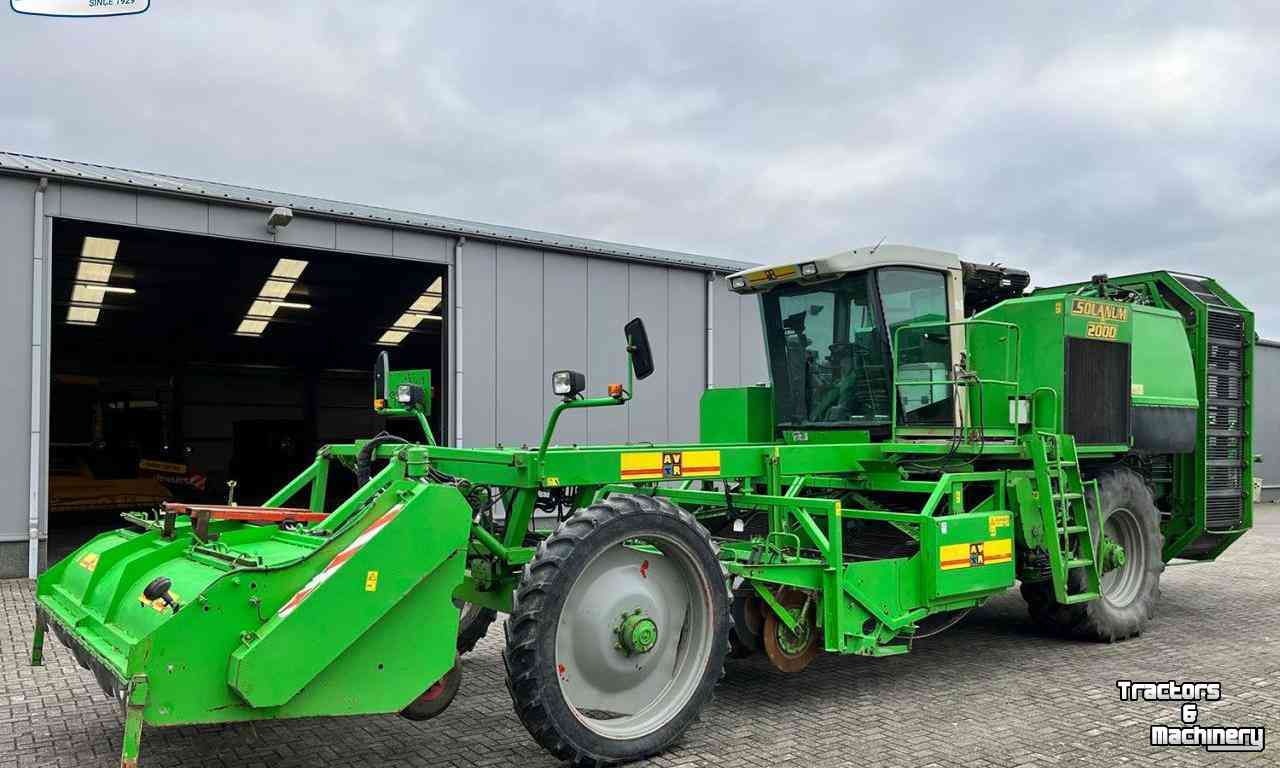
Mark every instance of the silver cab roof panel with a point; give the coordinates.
(762, 278)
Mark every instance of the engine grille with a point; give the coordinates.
(1224, 444)
(1097, 391)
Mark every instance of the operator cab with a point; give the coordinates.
(832, 327)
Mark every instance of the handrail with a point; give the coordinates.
(1014, 383)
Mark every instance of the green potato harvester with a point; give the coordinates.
(933, 432)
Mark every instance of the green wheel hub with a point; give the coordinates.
(1112, 555)
(637, 633)
(794, 642)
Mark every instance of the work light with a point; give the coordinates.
(568, 384)
(809, 270)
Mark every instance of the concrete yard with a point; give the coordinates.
(991, 691)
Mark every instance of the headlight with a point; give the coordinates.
(738, 283)
(809, 270)
(567, 383)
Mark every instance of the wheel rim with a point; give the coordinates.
(1120, 586)
(618, 687)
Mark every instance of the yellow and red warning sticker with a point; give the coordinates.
(975, 553)
(89, 562)
(669, 465)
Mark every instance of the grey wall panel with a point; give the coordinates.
(99, 204)
(564, 337)
(53, 199)
(607, 312)
(1266, 417)
(309, 232)
(234, 221)
(519, 326)
(477, 336)
(687, 345)
(648, 301)
(362, 238)
(17, 225)
(727, 320)
(754, 368)
(421, 247)
(173, 213)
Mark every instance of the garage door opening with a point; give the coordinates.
(182, 364)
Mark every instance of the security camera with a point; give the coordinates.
(280, 217)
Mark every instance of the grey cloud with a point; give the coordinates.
(1070, 139)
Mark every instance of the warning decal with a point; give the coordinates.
(975, 553)
(338, 560)
(668, 465)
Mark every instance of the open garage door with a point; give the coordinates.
(183, 364)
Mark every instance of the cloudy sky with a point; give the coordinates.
(1066, 138)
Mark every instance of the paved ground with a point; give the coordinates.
(989, 692)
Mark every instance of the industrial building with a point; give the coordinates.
(167, 337)
(1266, 432)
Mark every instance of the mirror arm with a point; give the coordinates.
(590, 402)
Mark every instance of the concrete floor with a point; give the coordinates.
(991, 691)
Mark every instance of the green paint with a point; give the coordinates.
(975, 507)
(637, 633)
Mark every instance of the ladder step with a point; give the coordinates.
(1081, 597)
(1071, 530)
(1079, 562)
(1069, 496)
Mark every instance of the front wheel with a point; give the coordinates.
(618, 631)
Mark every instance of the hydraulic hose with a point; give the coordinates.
(364, 459)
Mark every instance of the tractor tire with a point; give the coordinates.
(473, 624)
(1129, 593)
(613, 650)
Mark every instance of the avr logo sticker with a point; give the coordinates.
(80, 8)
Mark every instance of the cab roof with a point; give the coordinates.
(762, 278)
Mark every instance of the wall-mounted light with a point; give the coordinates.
(280, 216)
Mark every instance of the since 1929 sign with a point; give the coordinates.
(82, 8)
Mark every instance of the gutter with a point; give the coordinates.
(37, 369)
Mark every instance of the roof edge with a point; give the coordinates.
(179, 186)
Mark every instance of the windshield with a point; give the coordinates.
(829, 349)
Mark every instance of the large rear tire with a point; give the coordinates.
(618, 631)
(1129, 593)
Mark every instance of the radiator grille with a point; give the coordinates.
(1224, 417)
(1097, 391)
(1202, 291)
(1223, 513)
(1223, 448)
(1224, 445)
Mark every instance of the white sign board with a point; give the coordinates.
(80, 7)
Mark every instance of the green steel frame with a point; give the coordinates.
(971, 525)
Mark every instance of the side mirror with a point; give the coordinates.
(381, 377)
(638, 346)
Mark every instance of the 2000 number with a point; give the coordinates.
(1101, 331)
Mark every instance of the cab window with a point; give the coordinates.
(915, 313)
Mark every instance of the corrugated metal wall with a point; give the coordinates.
(17, 248)
(524, 313)
(527, 313)
(1266, 427)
